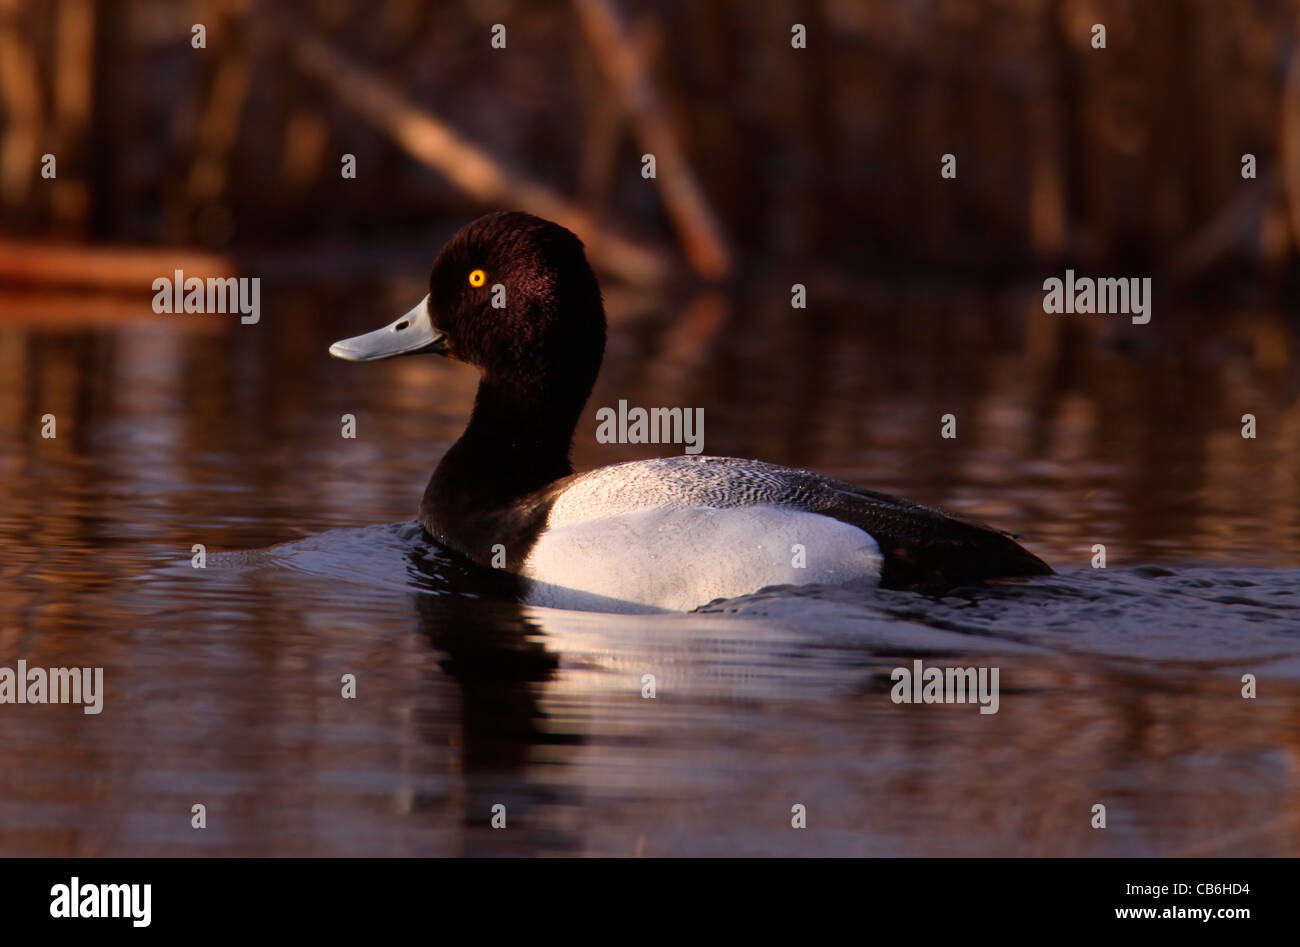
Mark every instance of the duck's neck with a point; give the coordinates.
(511, 448)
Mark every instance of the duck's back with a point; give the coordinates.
(677, 528)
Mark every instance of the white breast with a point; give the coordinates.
(630, 557)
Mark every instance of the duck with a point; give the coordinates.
(513, 296)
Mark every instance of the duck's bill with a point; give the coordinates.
(413, 333)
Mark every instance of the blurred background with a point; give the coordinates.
(775, 166)
(825, 156)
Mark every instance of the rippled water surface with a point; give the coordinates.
(1119, 687)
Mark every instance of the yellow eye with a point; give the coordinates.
(477, 278)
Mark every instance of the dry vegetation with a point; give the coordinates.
(831, 153)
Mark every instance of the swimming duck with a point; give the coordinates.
(514, 296)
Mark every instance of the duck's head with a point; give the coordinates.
(513, 295)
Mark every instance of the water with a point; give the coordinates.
(1119, 686)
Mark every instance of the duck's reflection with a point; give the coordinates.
(783, 699)
(500, 664)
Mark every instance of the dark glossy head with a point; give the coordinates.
(513, 295)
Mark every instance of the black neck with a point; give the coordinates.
(511, 447)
